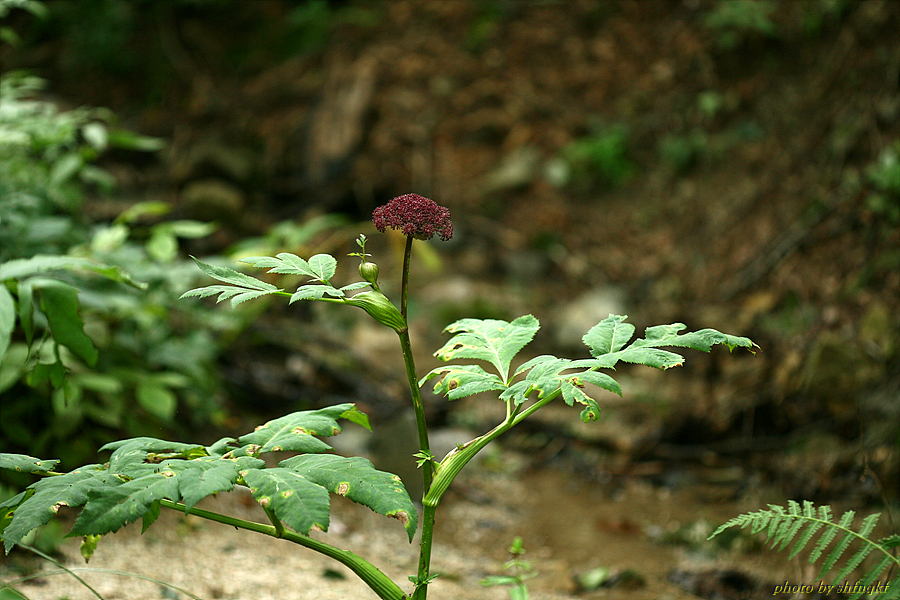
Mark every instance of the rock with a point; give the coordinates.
(574, 319)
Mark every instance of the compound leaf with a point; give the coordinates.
(607, 340)
(357, 479)
(492, 340)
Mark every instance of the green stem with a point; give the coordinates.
(380, 583)
(454, 462)
(427, 527)
(404, 284)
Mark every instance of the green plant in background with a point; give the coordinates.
(78, 349)
(799, 525)
(597, 161)
(144, 475)
(884, 175)
(736, 20)
(520, 568)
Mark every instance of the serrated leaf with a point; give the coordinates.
(202, 477)
(134, 451)
(315, 292)
(70, 489)
(291, 497)
(491, 340)
(321, 266)
(122, 502)
(324, 266)
(26, 464)
(609, 335)
(357, 479)
(293, 432)
(242, 287)
(60, 305)
(607, 340)
(459, 381)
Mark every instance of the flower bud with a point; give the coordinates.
(379, 308)
(369, 272)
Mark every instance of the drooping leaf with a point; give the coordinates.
(60, 305)
(26, 464)
(26, 267)
(459, 381)
(7, 319)
(492, 340)
(242, 287)
(294, 432)
(357, 479)
(70, 489)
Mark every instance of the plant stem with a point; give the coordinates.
(453, 463)
(380, 583)
(427, 527)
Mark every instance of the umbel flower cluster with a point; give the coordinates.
(415, 216)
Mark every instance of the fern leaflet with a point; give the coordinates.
(782, 526)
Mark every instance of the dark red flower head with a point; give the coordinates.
(414, 215)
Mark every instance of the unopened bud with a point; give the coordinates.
(369, 272)
(380, 308)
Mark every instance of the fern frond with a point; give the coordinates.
(782, 526)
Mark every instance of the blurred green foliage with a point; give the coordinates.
(597, 161)
(884, 176)
(92, 343)
(736, 20)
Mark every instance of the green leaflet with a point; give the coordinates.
(357, 479)
(59, 302)
(459, 381)
(242, 288)
(491, 340)
(294, 432)
(70, 489)
(26, 464)
(320, 267)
